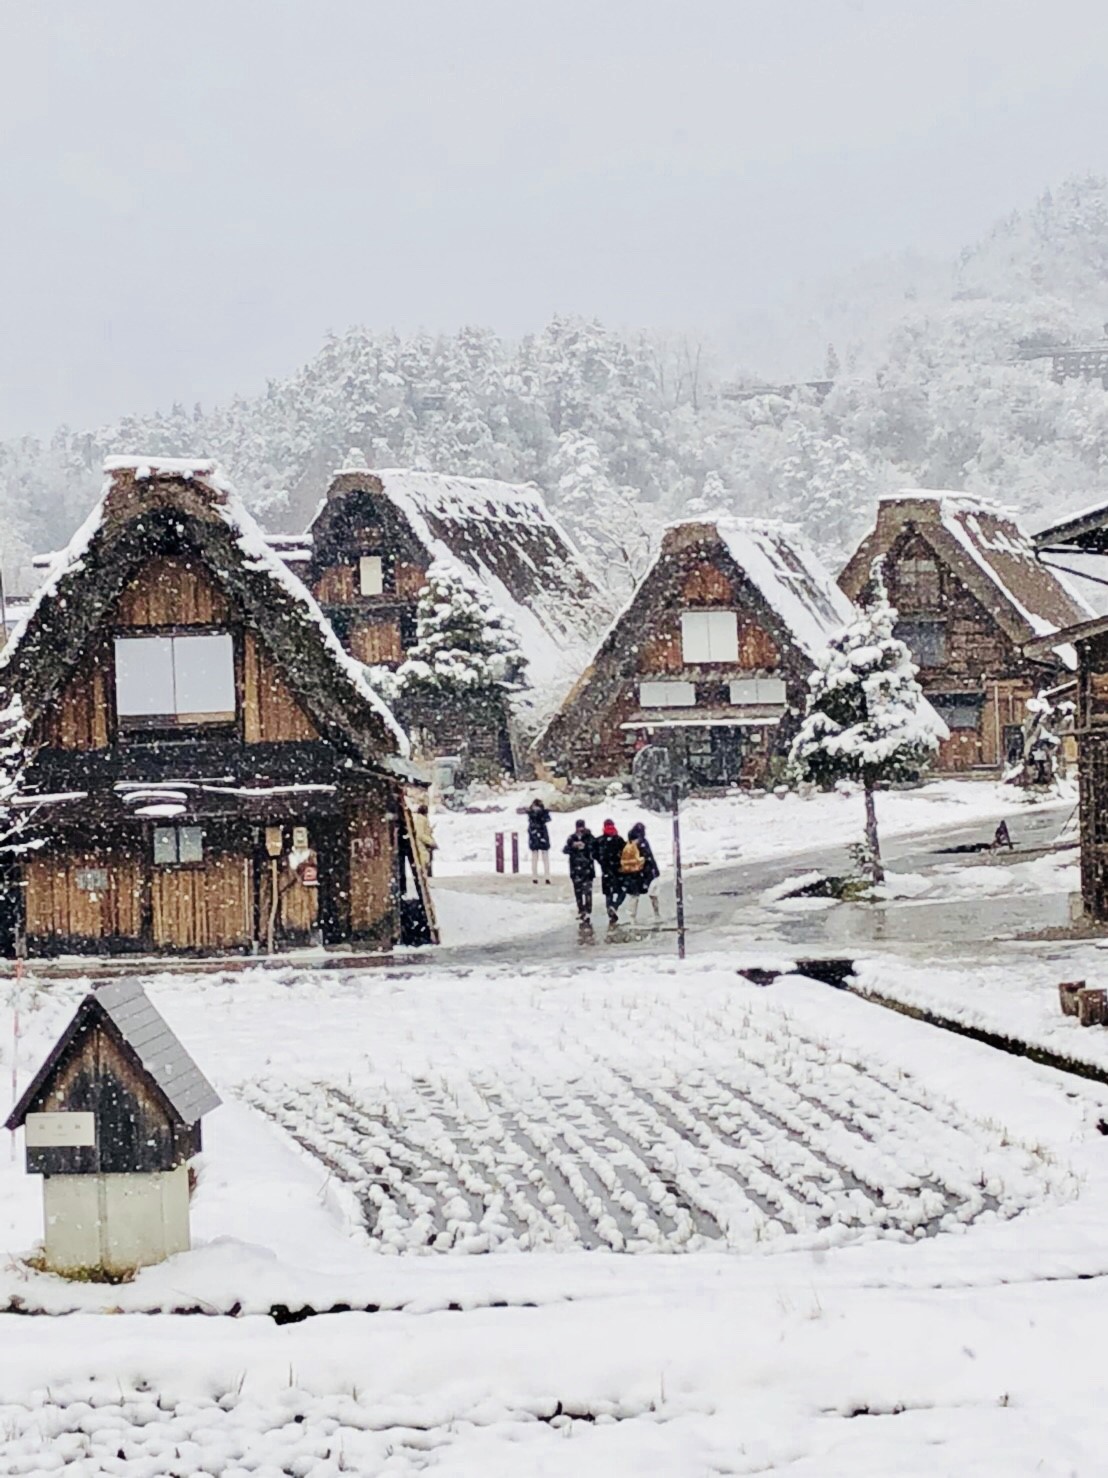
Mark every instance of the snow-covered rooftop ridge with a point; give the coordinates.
(790, 576)
(145, 467)
(969, 502)
(447, 495)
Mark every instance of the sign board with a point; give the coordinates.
(300, 839)
(60, 1131)
(92, 879)
(274, 841)
(308, 873)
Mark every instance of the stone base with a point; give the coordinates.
(114, 1223)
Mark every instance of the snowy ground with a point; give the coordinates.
(613, 1216)
(837, 1342)
(742, 826)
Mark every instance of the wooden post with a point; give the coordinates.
(515, 851)
(18, 991)
(678, 880)
(1092, 1007)
(500, 851)
(1068, 991)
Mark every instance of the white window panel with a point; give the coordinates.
(190, 844)
(144, 675)
(710, 636)
(165, 845)
(751, 690)
(204, 674)
(667, 695)
(371, 574)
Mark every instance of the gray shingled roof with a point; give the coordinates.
(161, 1054)
(144, 1030)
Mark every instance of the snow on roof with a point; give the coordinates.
(1035, 599)
(504, 535)
(788, 573)
(251, 541)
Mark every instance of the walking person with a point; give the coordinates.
(609, 850)
(641, 872)
(581, 851)
(538, 839)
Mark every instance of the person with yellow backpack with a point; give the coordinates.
(639, 871)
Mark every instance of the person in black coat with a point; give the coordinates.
(609, 851)
(640, 881)
(538, 838)
(581, 851)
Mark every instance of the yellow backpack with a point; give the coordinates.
(631, 858)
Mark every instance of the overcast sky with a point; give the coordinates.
(193, 194)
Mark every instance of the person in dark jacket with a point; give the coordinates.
(581, 851)
(609, 850)
(640, 871)
(538, 838)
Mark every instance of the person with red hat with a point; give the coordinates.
(609, 851)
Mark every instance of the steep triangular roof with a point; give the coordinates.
(153, 506)
(790, 592)
(504, 536)
(989, 552)
(123, 1008)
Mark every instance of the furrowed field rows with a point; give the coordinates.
(769, 1138)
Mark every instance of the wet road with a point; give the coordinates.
(722, 905)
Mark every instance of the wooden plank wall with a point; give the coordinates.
(297, 906)
(373, 872)
(271, 715)
(338, 585)
(376, 641)
(80, 717)
(169, 592)
(206, 907)
(56, 907)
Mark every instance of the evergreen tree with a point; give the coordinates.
(466, 650)
(866, 719)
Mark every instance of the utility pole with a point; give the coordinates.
(678, 881)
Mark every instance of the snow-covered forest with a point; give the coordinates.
(623, 429)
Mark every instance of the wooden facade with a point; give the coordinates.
(251, 801)
(727, 715)
(970, 595)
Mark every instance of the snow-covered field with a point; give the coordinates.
(738, 827)
(926, 1200)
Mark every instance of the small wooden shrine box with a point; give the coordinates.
(111, 1120)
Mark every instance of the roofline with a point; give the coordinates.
(1083, 631)
(1078, 523)
(90, 1011)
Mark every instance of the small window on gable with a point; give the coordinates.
(917, 582)
(175, 846)
(667, 695)
(926, 640)
(710, 636)
(371, 574)
(168, 681)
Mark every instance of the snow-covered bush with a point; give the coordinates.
(1041, 754)
(866, 719)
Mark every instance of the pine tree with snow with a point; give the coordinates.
(866, 719)
(467, 652)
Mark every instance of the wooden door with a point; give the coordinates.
(208, 907)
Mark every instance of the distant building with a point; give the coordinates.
(210, 771)
(971, 595)
(711, 658)
(366, 556)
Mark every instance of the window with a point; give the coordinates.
(710, 636)
(667, 695)
(175, 845)
(164, 681)
(917, 581)
(371, 574)
(758, 690)
(957, 710)
(926, 640)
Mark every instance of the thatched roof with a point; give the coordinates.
(504, 536)
(151, 507)
(988, 551)
(783, 586)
